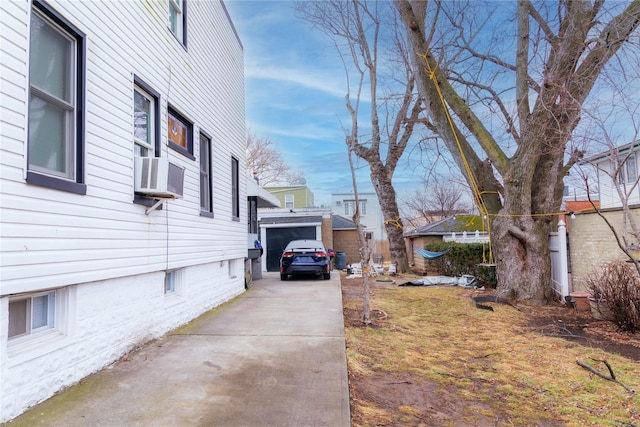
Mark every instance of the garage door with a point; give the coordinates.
(277, 239)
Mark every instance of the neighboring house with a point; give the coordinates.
(294, 197)
(628, 156)
(591, 241)
(371, 219)
(458, 228)
(95, 257)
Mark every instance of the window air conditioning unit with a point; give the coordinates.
(156, 177)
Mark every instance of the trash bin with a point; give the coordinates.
(341, 260)
(256, 269)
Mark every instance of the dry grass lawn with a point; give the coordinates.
(432, 359)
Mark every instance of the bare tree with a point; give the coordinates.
(617, 168)
(365, 249)
(264, 159)
(355, 29)
(434, 201)
(534, 71)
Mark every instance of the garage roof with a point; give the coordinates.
(291, 219)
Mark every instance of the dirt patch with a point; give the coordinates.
(385, 398)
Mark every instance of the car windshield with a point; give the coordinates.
(298, 245)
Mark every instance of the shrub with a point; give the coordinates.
(617, 286)
(463, 258)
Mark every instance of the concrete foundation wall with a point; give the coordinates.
(102, 321)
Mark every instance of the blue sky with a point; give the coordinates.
(295, 88)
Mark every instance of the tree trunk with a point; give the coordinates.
(523, 263)
(391, 215)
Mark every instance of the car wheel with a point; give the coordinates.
(327, 276)
(283, 276)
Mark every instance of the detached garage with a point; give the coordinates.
(278, 231)
(279, 226)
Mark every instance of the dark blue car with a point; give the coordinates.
(305, 257)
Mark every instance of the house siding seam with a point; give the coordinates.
(100, 249)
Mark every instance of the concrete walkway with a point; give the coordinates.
(274, 356)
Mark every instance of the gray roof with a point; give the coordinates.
(452, 224)
(341, 223)
(618, 150)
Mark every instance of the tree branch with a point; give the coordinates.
(603, 376)
(522, 63)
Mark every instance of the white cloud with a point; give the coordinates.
(313, 80)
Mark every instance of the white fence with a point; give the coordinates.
(465, 237)
(559, 260)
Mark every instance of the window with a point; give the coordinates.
(32, 314)
(252, 216)
(180, 133)
(145, 120)
(628, 173)
(55, 149)
(205, 175)
(177, 19)
(350, 207)
(235, 189)
(288, 201)
(171, 282)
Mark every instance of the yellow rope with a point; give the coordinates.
(397, 222)
(477, 194)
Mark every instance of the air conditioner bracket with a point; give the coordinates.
(154, 207)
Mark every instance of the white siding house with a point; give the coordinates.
(626, 161)
(371, 219)
(89, 269)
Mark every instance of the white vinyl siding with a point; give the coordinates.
(98, 250)
(65, 239)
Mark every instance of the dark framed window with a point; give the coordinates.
(252, 214)
(146, 120)
(55, 147)
(178, 20)
(180, 133)
(235, 189)
(206, 202)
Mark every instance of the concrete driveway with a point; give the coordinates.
(274, 356)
